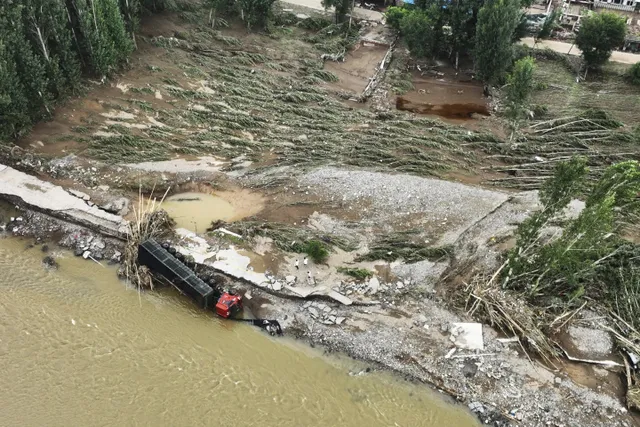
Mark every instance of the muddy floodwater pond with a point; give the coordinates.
(445, 94)
(196, 210)
(79, 348)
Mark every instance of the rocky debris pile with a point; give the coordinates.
(91, 246)
(373, 288)
(323, 313)
(32, 224)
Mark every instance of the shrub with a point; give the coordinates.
(316, 251)
(395, 15)
(633, 74)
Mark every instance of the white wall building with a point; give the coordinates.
(624, 5)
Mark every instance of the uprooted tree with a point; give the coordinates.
(556, 270)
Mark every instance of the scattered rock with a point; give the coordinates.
(340, 320)
(45, 248)
(558, 380)
(277, 286)
(99, 244)
(290, 279)
(118, 206)
(50, 262)
(306, 304)
(476, 407)
(78, 251)
(104, 188)
(469, 369)
(313, 311)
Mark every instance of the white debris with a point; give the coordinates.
(467, 336)
(374, 285)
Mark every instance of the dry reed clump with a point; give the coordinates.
(149, 222)
(483, 299)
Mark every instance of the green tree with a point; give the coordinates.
(497, 21)
(519, 87)
(598, 35)
(29, 63)
(418, 30)
(13, 102)
(394, 16)
(462, 20)
(633, 74)
(106, 43)
(550, 23)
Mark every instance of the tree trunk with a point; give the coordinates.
(43, 45)
(95, 21)
(75, 38)
(457, 59)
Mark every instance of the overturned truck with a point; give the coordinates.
(163, 259)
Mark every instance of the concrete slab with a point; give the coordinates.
(56, 201)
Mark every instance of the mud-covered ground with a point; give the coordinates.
(256, 131)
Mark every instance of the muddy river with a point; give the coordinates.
(79, 348)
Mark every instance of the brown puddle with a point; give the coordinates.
(195, 210)
(449, 111)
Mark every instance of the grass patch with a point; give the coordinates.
(80, 129)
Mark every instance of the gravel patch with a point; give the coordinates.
(426, 273)
(447, 208)
(591, 341)
(202, 164)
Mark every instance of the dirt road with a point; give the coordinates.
(359, 12)
(616, 56)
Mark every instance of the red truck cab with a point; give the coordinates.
(228, 305)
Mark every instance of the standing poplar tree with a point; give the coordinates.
(13, 103)
(497, 21)
(104, 33)
(45, 22)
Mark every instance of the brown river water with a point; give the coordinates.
(80, 348)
